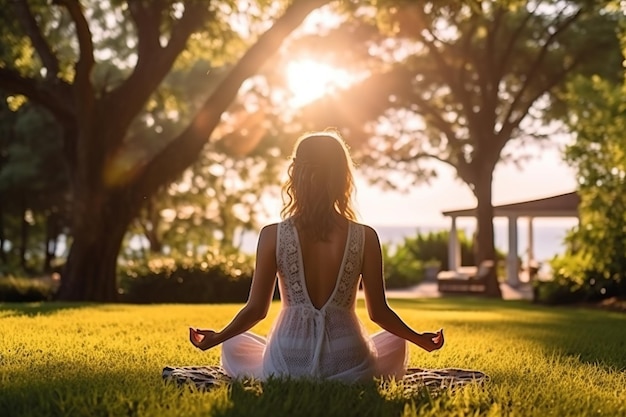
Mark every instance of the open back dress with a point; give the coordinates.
(318, 343)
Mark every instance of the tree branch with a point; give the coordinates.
(460, 166)
(424, 155)
(534, 69)
(184, 149)
(438, 120)
(49, 60)
(490, 97)
(147, 22)
(154, 62)
(508, 50)
(465, 53)
(441, 63)
(447, 72)
(83, 87)
(14, 83)
(193, 16)
(509, 125)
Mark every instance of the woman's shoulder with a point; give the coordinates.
(267, 235)
(269, 228)
(369, 230)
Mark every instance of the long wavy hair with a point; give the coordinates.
(320, 184)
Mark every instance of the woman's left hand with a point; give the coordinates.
(203, 339)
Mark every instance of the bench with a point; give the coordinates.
(466, 279)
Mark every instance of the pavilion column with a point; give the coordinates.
(531, 249)
(512, 263)
(454, 247)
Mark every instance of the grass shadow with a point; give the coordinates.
(284, 397)
(140, 391)
(589, 336)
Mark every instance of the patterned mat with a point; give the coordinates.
(207, 377)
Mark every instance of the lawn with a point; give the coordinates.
(106, 360)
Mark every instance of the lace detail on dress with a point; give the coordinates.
(351, 268)
(288, 264)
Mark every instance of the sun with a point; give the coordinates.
(309, 80)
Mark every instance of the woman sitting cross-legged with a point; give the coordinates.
(319, 254)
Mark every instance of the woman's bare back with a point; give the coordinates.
(322, 263)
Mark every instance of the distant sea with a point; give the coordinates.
(548, 239)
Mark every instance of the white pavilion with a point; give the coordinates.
(563, 205)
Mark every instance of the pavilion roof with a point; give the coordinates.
(563, 205)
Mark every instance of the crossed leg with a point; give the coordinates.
(242, 355)
(392, 354)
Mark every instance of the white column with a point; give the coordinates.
(454, 247)
(512, 266)
(531, 249)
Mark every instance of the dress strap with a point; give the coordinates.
(289, 263)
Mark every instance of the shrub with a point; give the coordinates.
(13, 290)
(401, 268)
(407, 263)
(212, 279)
(556, 292)
(575, 280)
(433, 247)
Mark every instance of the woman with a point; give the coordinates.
(319, 254)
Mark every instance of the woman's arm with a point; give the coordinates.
(259, 299)
(376, 302)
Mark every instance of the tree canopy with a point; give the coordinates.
(455, 81)
(95, 66)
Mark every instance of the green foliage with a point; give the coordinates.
(214, 278)
(62, 359)
(13, 290)
(33, 187)
(402, 269)
(433, 246)
(563, 287)
(407, 263)
(595, 261)
(215, 200)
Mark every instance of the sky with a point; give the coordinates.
(543, 175)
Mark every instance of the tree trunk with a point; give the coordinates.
(3, 255)
(485, 246)
(151, 227)
(90, 270)
(23, 232)
(50, 242)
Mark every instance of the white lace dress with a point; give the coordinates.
(325, 343)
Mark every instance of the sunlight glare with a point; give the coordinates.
(309, 80)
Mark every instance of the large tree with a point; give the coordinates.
(456, 81)
(109, 181)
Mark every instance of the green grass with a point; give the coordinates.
(106, 360)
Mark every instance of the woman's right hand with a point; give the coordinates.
(432, 341)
